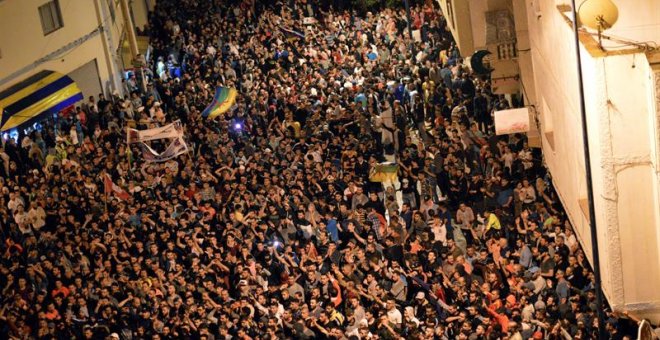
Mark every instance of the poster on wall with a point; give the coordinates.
(512, 121)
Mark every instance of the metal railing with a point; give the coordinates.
(507, 51)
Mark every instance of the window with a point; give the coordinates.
(548, 123)
(51, 17)
(450, 13)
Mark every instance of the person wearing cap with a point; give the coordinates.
(420, 300)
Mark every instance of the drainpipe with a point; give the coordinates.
(132, 40)
(106, 38)
(602, 334)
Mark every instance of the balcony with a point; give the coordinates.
(506, 51)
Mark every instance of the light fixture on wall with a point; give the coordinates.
(598, 15)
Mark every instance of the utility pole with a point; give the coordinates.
(136, 58)
(113, 69)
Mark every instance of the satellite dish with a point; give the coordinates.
(477, 62)
(598, 14)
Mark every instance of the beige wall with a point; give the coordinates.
(26, 44)
(527, 88)
(461, 29)
(478, 9)
(469, 32)
(638, 20)
(151, 4)
(140, 12)
(621, 116)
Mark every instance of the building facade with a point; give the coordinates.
(78, 38)
(622, 96)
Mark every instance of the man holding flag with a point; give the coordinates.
(111, 188)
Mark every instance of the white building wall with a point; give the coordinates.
(460, 26)
(478, 9)
(622, 97)
(623, 140)
(638, 20)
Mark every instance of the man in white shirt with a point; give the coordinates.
(210, 49)
(393, 314)
(36, 216)
(525, 156)
(439, 230)
(410, 316)
(20, 216)
(528, 192)
(464, 216)
(15, 200)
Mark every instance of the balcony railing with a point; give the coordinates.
(507, 51)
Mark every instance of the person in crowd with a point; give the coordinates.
(272, 227)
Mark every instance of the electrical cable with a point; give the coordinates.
(50, 36)
(647, 45)
(99, 28)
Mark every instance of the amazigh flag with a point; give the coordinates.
(384, 172)
(291, 33)
(223, 99)
(112, 188)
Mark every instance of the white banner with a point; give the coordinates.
(176, 148)
(512, 121)
(172, 130)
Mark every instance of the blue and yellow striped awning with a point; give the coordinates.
(44, 93)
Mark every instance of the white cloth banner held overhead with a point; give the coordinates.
(172, 130)
(176, 148)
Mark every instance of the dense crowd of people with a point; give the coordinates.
(274, 225)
